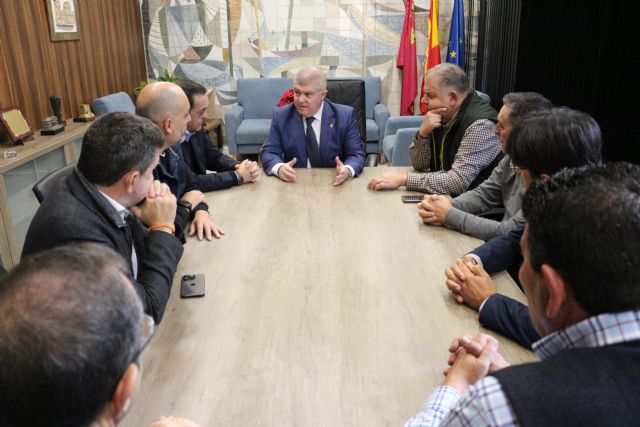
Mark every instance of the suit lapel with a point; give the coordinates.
(327, 134)
(296, 133)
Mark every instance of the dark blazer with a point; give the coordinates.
(509, 318)
(502, 253)
(339, 136)
(173, 171)
(200, 155)
(76, 212)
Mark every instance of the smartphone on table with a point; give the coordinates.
(412, 198)
(192, 285)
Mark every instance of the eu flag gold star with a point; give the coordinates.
(453, 54)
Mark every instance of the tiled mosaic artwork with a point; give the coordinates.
(216, 42)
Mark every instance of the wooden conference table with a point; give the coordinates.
(324, 306)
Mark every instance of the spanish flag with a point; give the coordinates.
(407, 62)
(433, 48)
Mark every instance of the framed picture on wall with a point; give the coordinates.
(14, 123)
(63, 19)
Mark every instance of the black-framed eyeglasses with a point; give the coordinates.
(515, 168)
(148, 331)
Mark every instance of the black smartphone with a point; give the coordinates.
(412, 198)
(192, 285)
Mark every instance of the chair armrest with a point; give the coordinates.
(401, 150)
(232, 120)
(380, 116)
(400, 122)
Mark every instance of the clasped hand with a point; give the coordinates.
(471, 359)
(469, 283)
(248, 170)
(159, 207)
(434, 209)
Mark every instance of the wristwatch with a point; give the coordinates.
(185, 204)
(239, 177)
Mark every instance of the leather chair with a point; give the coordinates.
(119, 101)
(45, 186)
(350, 92)
(248, 122)
(399, 133)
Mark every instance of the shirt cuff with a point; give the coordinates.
(482, 305)
(476, 258)
(413, 182)
(276, 168)
(454, 218)
(353, 173)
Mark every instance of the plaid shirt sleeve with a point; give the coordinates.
(478, 148)
(420, 152)
(483, 404)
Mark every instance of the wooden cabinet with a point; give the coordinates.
(37, 158)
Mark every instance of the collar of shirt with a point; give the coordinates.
(596, 331)
(187, 136)
(121, 210)
(318, 119)
(452, 121)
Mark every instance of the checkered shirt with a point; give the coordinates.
(485, 404)
(478, 147)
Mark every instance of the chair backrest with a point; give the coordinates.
(350, 92)
(260, 96)
(484, 96)
(372, 90)
(119, 101)
(45, 186)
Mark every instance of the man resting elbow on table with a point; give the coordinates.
(502, 189)
(166, 105)
(541, 145)
(455, 148)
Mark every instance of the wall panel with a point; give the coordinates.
(109, 56)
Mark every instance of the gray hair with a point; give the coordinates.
(312, 76)
(521, 104)
(451, 77)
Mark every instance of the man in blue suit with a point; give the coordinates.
(313, 132)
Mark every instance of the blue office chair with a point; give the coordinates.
(119, 101)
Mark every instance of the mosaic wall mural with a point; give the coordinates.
(215, 42)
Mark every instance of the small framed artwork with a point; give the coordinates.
(63, 19)
(16, 126)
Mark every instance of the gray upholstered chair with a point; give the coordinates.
(405, 126)
(119, 101)
(248, 122)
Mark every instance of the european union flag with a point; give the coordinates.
(455, 51)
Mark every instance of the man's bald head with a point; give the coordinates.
(166, 105)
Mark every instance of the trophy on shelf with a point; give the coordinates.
(53, 124)
(85, 114)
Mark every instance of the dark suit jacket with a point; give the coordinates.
(502, 253)
(339, 136)
(509, 318)
(200, 155)
(173, 171)
(76, 212)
